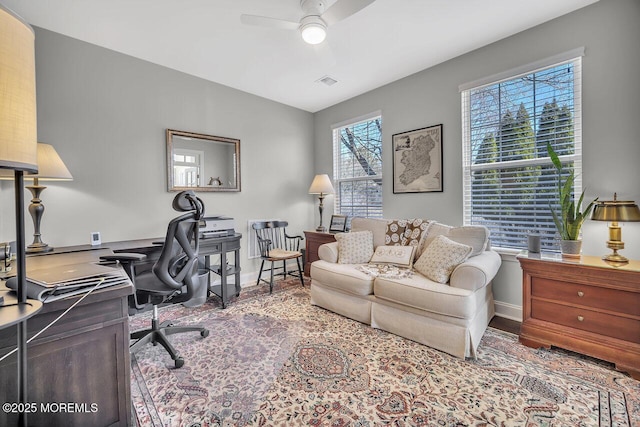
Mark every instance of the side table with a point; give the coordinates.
(313, 240)
(584, 305)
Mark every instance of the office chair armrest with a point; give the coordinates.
(124, 257)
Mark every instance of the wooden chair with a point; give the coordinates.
(276, 245)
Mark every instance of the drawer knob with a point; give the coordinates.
(580, 318)
(580, 294)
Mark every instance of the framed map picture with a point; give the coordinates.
(417, 160)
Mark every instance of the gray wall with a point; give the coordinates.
(610, 33)
(106, 114)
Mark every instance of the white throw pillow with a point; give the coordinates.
(355, 247)
(440, 258)
(399, 255)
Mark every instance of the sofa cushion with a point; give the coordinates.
(376, 225)
(355, 247)
(439, 259)
(476, 236)
(421, 293)
(398, 255)
(344, 277)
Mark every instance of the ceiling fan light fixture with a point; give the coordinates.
(313, 30)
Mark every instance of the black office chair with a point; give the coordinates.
(276, 245)
(172, 279)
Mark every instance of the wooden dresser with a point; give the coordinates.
(584, 305)
(313, 240)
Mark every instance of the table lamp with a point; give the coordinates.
(50, 168)
(615, 211)
(321, 185)
(18, 152)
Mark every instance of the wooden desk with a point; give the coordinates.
(583, 305)
(83, 359)
(220, 245)
(313, 240)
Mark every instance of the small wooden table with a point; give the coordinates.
(584, 305)
(313, 240)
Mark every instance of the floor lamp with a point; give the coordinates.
(18, 152)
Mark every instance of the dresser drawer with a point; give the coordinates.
(599, 323)
(617, 301)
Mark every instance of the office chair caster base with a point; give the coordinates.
(204, 333)
(179, 362)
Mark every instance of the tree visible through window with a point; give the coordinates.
(509, 180)
(357, 168)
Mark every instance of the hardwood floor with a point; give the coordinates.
(506, 325)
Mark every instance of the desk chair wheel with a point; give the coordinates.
(179, 362)
(204, 333)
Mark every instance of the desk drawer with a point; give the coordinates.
(600, 323)
(614, 300)
(209, 246)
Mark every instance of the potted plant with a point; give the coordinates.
(570, 218)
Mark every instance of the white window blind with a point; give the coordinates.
(357, 167)
(509, 180)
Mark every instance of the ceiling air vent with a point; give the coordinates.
(329, 81)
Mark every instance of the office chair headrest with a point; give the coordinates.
(186, 201)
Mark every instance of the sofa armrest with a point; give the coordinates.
(328, 252)
(476, 272)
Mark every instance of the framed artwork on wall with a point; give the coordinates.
(338, 224)
(417, 160)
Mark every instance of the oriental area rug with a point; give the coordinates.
(275, 360)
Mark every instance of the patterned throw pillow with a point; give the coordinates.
(406, 232)
(440, 258)
(399, 255)
(355, 247)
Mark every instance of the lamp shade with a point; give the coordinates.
(50, 166)
(616, 211)
(18, 128)
(321, 185)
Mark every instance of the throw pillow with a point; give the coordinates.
(440, 258)
(399, 255)
(476, 236)
(406, 232)
(355, 247)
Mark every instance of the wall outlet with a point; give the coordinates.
(95, 238)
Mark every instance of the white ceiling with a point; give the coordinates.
(383, 42)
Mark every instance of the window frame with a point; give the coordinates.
(337, 179)
(575, 58)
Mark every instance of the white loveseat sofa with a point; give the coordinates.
(451, 316)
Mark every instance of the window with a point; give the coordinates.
(509, 180)
(187, 165)
(357, 167)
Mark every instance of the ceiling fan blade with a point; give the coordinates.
(264, 21)
(343, 9)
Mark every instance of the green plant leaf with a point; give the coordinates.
(554, 157)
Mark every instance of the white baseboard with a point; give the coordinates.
(508, 311)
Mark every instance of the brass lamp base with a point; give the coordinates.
(616, 258)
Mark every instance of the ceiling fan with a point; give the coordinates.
(313, 24)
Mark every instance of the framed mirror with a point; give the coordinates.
(202, 162)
